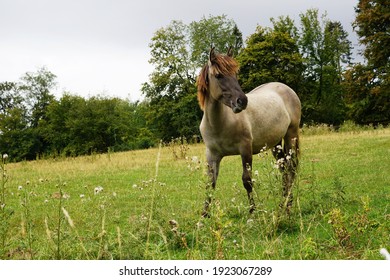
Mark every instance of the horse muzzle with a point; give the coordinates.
(240, 104)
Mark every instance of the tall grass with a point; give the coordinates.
(147, 204)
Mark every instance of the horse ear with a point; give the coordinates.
(230, 52)
(212, 55)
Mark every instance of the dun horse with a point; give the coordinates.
(235, 123)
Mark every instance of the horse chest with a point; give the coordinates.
(225, 139)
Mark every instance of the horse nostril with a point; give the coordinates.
(241, 102)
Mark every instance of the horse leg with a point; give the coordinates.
(291, 151)
(247, 179)
(287, 157)
(213, 170)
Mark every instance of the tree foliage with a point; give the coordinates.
(270, 55)
(368, 85)
(33, 123)
(326, 50)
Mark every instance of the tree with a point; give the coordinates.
(16, 138)
(368, 85)
(36, 89)
(218, 32)
(269, 56)
(372, 24)
(178, 52)
(78, 126)
(327, 52)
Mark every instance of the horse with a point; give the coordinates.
(235, 123)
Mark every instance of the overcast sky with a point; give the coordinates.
(101, 46)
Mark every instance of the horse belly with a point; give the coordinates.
(269, 120)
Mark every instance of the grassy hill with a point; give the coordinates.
(146, 204)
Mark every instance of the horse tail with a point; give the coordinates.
(296, 152)
(296, 146)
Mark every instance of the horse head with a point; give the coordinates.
(218, 79)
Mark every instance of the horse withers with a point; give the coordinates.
(235, 123)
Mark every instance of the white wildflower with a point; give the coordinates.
(82, 195)
(195, 159)
(98, 190)
(384, 253)
(20, 188)
(256, 173)
(5, 156)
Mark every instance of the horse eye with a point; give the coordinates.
(218, 76)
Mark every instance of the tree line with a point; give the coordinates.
(312, 56)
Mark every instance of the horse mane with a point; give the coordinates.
(218, 64)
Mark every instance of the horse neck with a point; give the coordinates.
(214, 113)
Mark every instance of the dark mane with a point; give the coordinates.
(220, 64)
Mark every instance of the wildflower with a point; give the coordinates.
(384, 253)
(256, 173)
(98, 190)
(5, 156)
(27, 182)
(41, 180)
(82, 195)
(20, 188)
(46, 201)
(114, 194)
(195, 159)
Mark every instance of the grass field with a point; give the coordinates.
(147, 204)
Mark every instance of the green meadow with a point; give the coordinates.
(147, 204)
